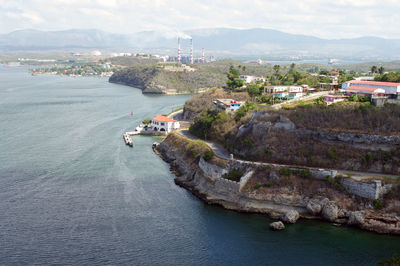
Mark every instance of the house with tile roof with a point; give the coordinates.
(162, 123)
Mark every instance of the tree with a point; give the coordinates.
(292, 65)
(276, 70)
(381, 70)
(253, 90)
(233, 79)
(373, 69)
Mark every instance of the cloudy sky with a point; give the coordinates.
(327, 19)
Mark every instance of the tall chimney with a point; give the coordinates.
(191, 51)
(202, 55)
(179, 50)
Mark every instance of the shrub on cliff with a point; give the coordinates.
(208, 155)
(233, 175)
(197, 148)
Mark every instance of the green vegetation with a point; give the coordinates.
(389, 77)
(202, 123)
(233, 79)
(244, 109)
(204, 101)
(378, 204)
(208, 155)
(147, 121)
(156, 79)
(81, 69)
(197, 148)
(233, 175)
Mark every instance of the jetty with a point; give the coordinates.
(127, 138)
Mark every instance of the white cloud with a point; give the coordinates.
(333, 19)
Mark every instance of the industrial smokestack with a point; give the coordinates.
(202, 55)
(179, 50)
(191, 51)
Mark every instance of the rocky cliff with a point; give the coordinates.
(268, 192)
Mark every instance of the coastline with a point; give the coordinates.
(199, 177)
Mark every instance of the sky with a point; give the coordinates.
(325, 19)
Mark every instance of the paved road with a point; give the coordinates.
(218, 149)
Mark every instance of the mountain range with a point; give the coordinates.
(221, 41)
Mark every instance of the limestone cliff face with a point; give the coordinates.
(204, 180)
(274, 138)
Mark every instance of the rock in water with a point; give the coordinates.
(314, 207)
(356, 218)
(290, 217)
(330, 212)
(277, 226)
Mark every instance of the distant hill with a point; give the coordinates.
(221, 41)
(42, 40)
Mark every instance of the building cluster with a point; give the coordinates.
(379, 92)
(288, 92)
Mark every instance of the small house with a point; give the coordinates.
(164, 124)
(228, 105)
(332, 98)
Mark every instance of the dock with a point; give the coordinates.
(127, 139)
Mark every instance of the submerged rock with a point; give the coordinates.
(290, 217)
(330, 212)
(277, 226)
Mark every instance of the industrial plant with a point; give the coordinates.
(185, 56)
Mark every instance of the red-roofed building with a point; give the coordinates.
(370, 87)
(367, 91)
(164, 124)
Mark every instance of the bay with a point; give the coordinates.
(71, 191)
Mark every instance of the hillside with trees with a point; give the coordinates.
(156, 79)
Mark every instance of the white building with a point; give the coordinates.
(290, 89)
(164, 124)
(249, 79)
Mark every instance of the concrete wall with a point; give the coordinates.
(211, 170)
(373, 190)
(223, 184)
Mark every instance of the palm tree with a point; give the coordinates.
(276, 69)
(373, 69)
(381, 70)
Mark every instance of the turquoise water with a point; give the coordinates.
(71, 192)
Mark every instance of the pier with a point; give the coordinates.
(127, 138)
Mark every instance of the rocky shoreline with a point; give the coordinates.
(281, 204)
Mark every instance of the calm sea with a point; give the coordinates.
(71, 192)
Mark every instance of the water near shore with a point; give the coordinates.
(71, 192)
